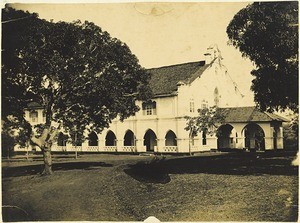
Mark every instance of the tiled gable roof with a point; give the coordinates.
(33, 105)
(164, 80)
(249, 114)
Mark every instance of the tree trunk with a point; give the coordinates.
(47, 161)
(8, 151)
(45, 142)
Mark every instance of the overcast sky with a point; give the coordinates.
(161, 34)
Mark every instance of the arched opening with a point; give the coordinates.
(110, 139)
(254, 137)
(93, 139)
(150, 140)
(62, 139)
(226, 135)
(204, 137)
(129, 139)
(171, 139)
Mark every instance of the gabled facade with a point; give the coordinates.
(179, 91)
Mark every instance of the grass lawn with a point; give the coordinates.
(106, 187)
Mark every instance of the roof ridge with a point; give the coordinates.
(271, 115)
(249, 106)
(173, 65)
(195, 75)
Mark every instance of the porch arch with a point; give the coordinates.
(93, 139)
(129, 138)
(150, 140)
(254, 136)
(170, 139)
(226, 135)
(110, 138)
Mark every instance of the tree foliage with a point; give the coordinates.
(291, 132)
(82, 76)
(267, 33)
(14, 131)
(208, 120)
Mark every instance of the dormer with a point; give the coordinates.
(180, 83)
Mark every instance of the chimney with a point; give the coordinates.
(212, 53)
(208, 58)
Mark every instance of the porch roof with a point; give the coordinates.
(249, 114)
(34, 105)
(164, 80)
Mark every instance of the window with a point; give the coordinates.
(33, 115)
(149, 108)
(192, 106)
(204, 104)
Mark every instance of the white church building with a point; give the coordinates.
(179, 91)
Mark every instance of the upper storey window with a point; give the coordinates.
(149, 108)
(192, 106)
(204, 104)
(33, 115)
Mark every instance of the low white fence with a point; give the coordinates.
(127, 149)
(74, 148)
(109, 149)
(203, 148)
(170, 149)
(90, 149)
(56, 148)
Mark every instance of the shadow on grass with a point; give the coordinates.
(158, 170)
(36, 169)
(149, 172)
(14, 213)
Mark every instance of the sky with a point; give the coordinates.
(162, 34)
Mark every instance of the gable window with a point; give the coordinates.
(216, 97)
(33, 115)
(149, 108)
(192, 106)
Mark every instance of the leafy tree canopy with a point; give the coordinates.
(208, 120)
(267, 33)
(82, 76)
(75, 70)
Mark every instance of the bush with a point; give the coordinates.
(7, 144)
